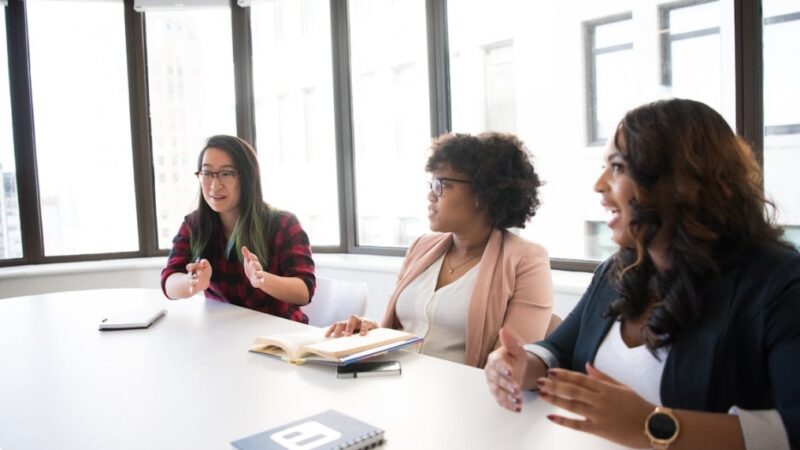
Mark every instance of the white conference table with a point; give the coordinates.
(189, 382)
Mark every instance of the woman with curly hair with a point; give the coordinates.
(460, 284)
(697, 311)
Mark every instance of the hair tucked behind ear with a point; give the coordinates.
(255, 216)
(698, 183)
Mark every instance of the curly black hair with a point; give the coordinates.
(500, 171)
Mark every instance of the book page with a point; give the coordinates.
(286, 345)
(338, 347)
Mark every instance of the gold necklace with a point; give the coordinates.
(452, 269)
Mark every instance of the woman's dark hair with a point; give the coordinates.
(699, 183)
(500, 172)
(253, 224)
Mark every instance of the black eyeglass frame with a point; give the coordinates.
(437, 181)
(201, 174)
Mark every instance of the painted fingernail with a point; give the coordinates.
(551, 417)
(552, 373)
(540, 382)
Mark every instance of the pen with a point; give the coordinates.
(193, 275)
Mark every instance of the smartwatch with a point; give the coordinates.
(662, 428)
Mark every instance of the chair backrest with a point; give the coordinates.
(336, 300)
(555, 321)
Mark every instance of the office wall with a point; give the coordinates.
(379, 272)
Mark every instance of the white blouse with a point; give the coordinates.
(440, 316)
(638, 369)
(634, 367)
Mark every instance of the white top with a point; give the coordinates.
(638, 369)
(440, 316)
(634, 367)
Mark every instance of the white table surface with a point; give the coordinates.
(190, 383)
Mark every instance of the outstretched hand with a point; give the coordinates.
(612, 410)
(199, 276)
(252, 268)
(505, 370)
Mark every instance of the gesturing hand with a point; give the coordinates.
(199, 275)
(252, 268)
(505, 369)
(612, 410)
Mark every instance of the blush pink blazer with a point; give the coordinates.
(513, 289)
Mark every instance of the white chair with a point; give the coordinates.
(336, 300)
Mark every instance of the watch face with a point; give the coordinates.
(661, 426)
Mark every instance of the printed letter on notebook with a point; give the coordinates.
(328, 430)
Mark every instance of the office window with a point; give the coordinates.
(190, 76)
(295, 127)
(609, 61)
(562, 77)
(500, 109)
(82, 124)
(781, 113)
(691, 54)
(483, 72)
(389, 65)
(10, 234)
(407, 95)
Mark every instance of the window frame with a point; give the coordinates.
(786, 128)
(666, 38)
(749, 117)
(593, 138)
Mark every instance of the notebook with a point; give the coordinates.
(327, 430)
(127, 320)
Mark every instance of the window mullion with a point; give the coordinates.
(438, 67)
(140, 130)
(749, 75)
(343, 114)
(243, 72)
(24, 141)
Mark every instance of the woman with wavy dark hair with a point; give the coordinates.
(224, 246)
(460, 284)
(689, 332)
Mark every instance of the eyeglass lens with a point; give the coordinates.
(436, 186)
(223, 176)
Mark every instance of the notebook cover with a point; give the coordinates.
(128, 320)
(327, 430)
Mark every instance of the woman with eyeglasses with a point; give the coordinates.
(234, 246)
(687, 337)
(460, 284)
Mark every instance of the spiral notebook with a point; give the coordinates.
(328, 430)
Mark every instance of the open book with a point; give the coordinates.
(314, 346)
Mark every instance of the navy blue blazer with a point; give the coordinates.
(743, 351)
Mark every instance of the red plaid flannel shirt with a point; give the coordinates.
(289, 256)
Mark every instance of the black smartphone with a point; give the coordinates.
(368, 369)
